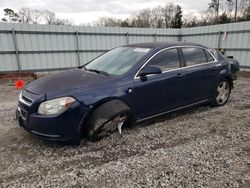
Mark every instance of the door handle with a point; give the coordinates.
(215, 68)
(179, 75)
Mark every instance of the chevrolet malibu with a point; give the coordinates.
(131, 83)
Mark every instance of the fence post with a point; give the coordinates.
(127, 38)
(78, 50)
(16, 50)
(219, 40)
(155, 37)
(179, 35)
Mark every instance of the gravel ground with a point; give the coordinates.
(204, 147)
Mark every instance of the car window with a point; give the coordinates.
(166, 60)
(209, 56)
(194, 56)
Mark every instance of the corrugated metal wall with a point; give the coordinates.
(48, 47)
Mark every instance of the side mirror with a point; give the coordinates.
(230, 57)
(147, 70)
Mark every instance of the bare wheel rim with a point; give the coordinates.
(223, 91)
(112, 125)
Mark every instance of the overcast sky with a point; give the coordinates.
(87, 11)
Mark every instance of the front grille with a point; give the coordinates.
(23, 98)
(27, 99)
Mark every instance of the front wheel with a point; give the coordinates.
(222, 94)
(107, 118)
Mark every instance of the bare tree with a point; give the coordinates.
(59, 21)
(142, 19)
(169, 13)
(228, 9)
(37, 16)
(108, 22)
(169, 16)
(32, 16)
(48, 16)
(157, 17)
(232, 9)
(208, 17)
(25, 16)
(191, 21)
(244, 10)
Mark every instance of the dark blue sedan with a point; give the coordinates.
(128, 84)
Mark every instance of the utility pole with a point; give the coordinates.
(236, 9)
(218, 9)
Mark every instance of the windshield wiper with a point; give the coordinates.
(98, 71)
(83, 66)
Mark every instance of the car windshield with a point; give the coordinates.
(117, 61)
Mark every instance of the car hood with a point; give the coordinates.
(66, 81)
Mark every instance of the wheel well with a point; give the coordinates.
(230, 80)
(84, 126)
(101, 102)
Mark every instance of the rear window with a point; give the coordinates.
(194, 56)
(209, 56)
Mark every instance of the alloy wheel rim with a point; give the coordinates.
(222, 92)
(117, 122)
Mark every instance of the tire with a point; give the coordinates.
(105, 119)
(222, 93)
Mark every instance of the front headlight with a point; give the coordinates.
(55, 106)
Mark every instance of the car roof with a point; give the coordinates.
(162, 45)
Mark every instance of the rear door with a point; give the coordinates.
(201, 73)
(160, 92)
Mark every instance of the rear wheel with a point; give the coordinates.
(222, 93)
(107, 118)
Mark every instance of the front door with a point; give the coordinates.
(159, 93)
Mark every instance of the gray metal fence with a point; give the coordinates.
(26, 47)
